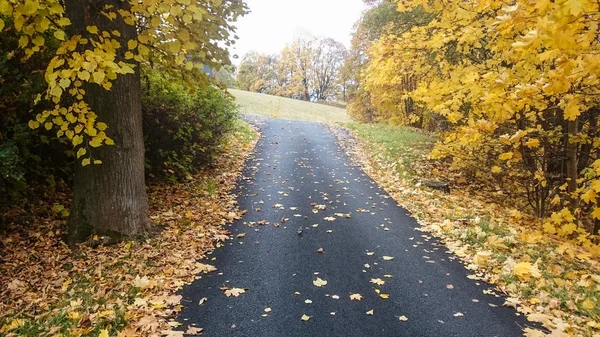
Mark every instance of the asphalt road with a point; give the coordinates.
(300, 174)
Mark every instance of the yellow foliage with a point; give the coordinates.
(93, 56)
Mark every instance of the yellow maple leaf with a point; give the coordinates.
(526, 270)
(235, 292)
(589, 196)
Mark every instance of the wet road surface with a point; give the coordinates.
(313, 215)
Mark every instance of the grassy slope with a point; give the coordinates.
(280, 107)
(400, 145)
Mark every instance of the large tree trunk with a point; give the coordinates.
(111, 198)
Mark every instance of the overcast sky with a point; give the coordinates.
(274, 23)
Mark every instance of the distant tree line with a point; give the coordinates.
(309, 69)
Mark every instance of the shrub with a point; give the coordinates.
(30, 164)
(182, 131)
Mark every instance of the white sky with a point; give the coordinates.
(272, 24)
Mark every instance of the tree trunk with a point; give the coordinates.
(572, 172)
(111, 198)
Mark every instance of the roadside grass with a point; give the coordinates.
(401, 146)
(253, 103)
(553, 282)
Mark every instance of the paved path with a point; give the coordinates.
(298, 167)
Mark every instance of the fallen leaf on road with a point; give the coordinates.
(458, 314)
(356, 297)
(403, 318)
(449, 286)
(235, 292)
(388, 258)
(378, 281)
(370, 253)
(329, 218)
(307, 301)
(319, 282)
(385, 296)
(335, 297)
(241, 235)
(370, 312)
(193, 331)
(305, 318)
(267, 309)
(203, 300)
(320, 250)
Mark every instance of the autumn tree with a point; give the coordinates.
(94, 84)
(327, 60)
(517, 88)
(308, 69)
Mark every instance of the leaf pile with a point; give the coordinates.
(124, 289)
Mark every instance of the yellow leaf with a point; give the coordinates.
(38, 40)
(305, 317)
(532, 143)
(15, 323)
(388, 258)
(1, 24)
(85, 162)
(496, 169)
(63, 21)
(103, 333)
(371, 312)
(319, 282)
(34, 124)
(385, 296)
(98, 77)
(355, 297)
(83, 75)
(48, 126)
(235, 292)
(97, 162)
(506, 156)
(589, 196)
(588, 304)
(92, 29)
(525, 270)
(378, 281)
(23, 41)
(572, 110)
(403, 318)
(175, 46)
(155, 22)
(596, 213)
(96, 142)
(30, 7)
(101, 126)
(81, 152)
(132, 44)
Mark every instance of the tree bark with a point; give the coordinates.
(110, 199)
(572, 173)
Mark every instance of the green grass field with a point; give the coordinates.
(253, 103)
